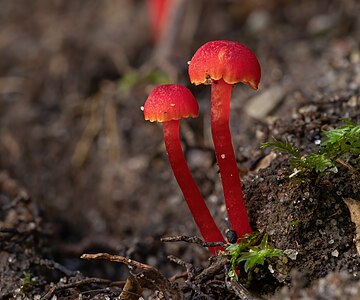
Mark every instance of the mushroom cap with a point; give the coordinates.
(170, 102)
(231, 61)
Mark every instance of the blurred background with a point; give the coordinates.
(74, 74)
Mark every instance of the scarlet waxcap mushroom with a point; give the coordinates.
(222, 64)
(170, 102)
(227, 60)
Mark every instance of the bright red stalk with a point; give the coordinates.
(192, 195)
(158, 13)
(220, 115)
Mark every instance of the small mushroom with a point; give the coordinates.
(223, 64)
(158, 14)
(168, 104)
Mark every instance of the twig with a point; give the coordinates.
(178, 276)
(192, 240)
(117, 258)
(53, 289)
(240, 290)
(54, 265)
(84, 282)
(49, 293)
(118, 283)
(148, 277)
(189, 267)
(190, 273)
(346, 165)
(215, 267)
(16, 201)
(194, 281)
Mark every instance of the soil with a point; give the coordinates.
(82, 172)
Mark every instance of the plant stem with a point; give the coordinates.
(192, 195)
(220, 115)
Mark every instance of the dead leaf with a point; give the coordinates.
(265, 161)
(132, 289)
(146, 276)
(354, 208)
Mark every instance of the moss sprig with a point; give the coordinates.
(254, 249)
(340, 144)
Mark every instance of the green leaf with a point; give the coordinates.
(284, 147)
(252, 251)
(342, 141)
(318, 161)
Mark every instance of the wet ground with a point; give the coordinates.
(82, 172)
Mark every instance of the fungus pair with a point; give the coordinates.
(221, 64)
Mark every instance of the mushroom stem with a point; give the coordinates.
(220, 115)
(192, 195)
(158, 14)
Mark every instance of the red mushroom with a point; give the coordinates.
(223, 64)
(168, 104)
(158, 13)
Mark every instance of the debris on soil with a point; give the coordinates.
(333, 286)
(354, 208)
(81, 172)
(25, 267)
(142, 276)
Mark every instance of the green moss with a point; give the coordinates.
(341, 143)
(252, 250)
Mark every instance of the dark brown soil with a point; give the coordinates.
(82, 172)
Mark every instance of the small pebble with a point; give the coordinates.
(291, 253)
(271, 269)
